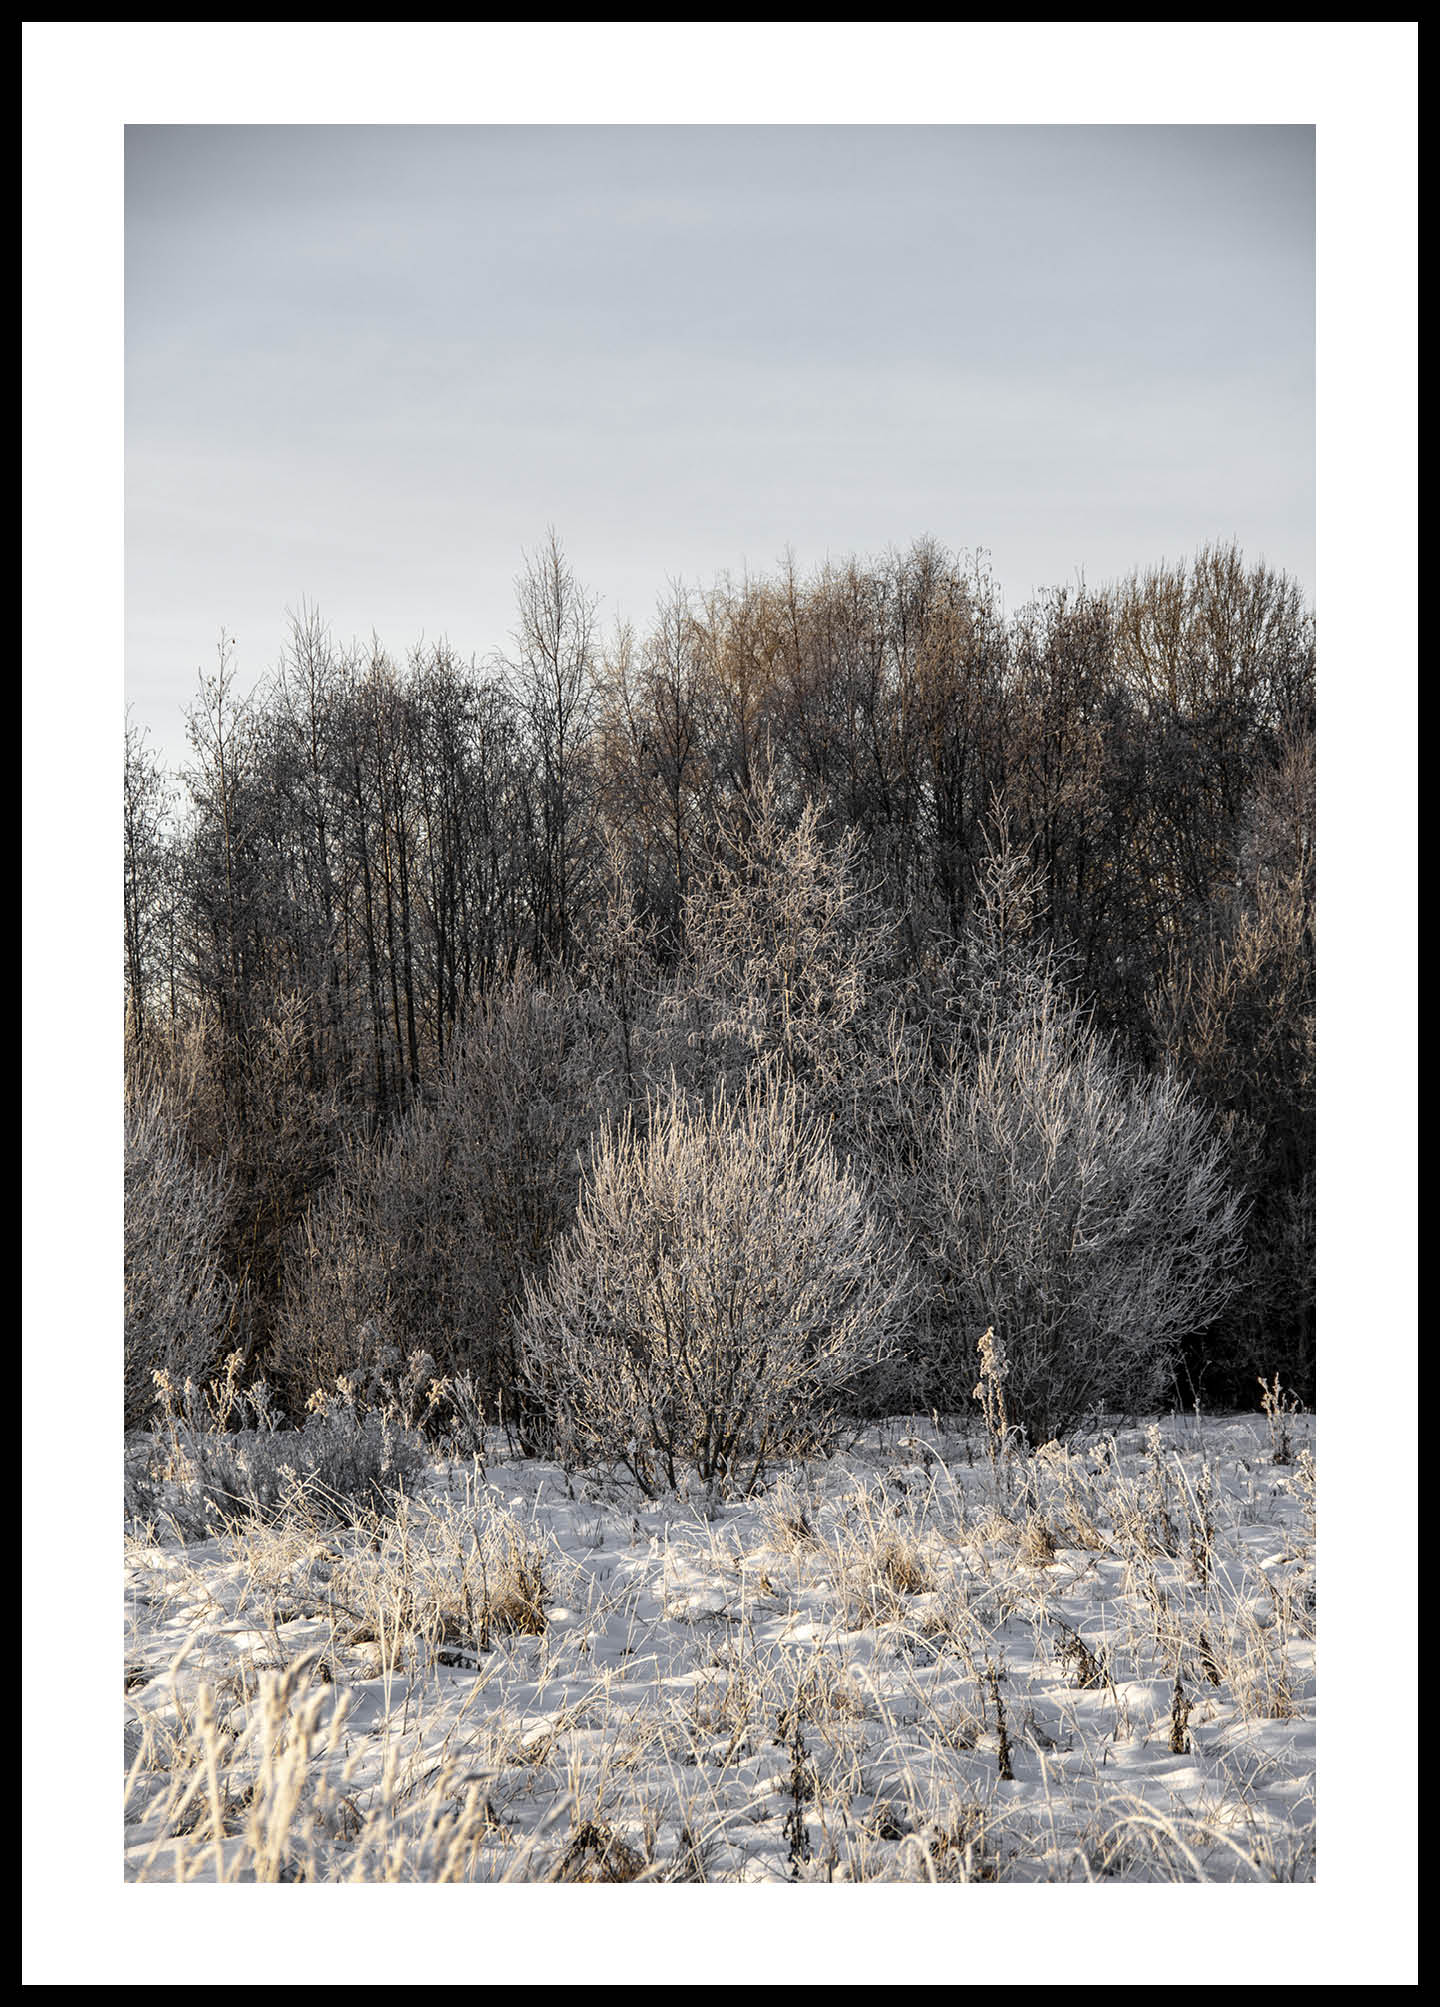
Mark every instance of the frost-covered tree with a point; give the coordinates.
(786, 952)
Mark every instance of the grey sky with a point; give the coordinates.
(369, 365)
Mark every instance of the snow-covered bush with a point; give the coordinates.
(1078, 1208)
(723, 1285)
(177, 1299)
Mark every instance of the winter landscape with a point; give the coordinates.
(720, 996)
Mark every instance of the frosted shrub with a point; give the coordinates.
(1079, 1211)
(724, 1283)
(428, 1239)
(177, 1300)
(1076, 1210)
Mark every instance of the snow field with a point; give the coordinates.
(1097, 1663)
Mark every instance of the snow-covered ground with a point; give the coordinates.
(904, 1664)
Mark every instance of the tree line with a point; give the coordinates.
(405, 941)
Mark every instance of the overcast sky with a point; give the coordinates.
(369, 365)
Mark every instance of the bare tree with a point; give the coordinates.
(221, 862)
(146, 872)
(555, 639)
(653, 720)
(1236, 1013)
